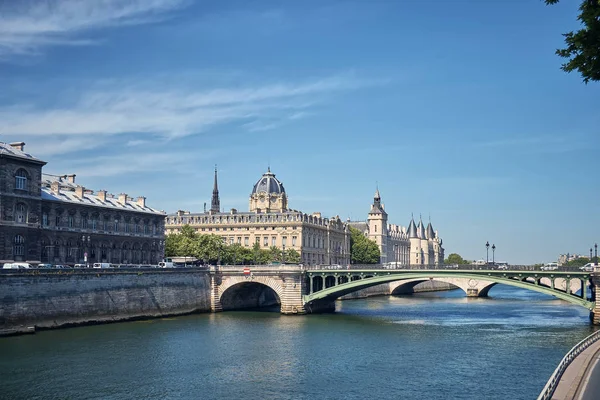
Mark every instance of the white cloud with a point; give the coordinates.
(28, 26)
(168, 113)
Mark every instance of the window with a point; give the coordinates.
(258, 239)
(294, 240)
(273, 240)
(375, 228)
(246, 241)
(104, 225)
(239, 240)
(154, 229)
(126, 227)
(284, 240)
(266, 241)
(231, 240)
(19, 249)
(71, 221)
(84, 222)
(21, 213)
(58, 220)
(94, 223)
(145, 229)
(45, 219)
(116, 225)
(21, 180)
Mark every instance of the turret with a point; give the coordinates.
(377, 221)
(415, 244)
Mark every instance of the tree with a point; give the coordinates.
(577, 262)
(583, 46)
(362, 249)
(292, 256)
(455, 258)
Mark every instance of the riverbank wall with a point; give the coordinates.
(32, 300)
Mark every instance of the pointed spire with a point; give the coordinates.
(215, 204)
(412, 229)
(429, 230)
(421, 228)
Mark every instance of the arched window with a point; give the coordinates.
(21, 213)
(19, 248)
(21, 180)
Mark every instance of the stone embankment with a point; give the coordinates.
(31, 300)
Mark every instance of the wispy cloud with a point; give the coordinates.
(169, 113)
(28, 26)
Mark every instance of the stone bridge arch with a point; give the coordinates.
(239, 292)
(472, 287)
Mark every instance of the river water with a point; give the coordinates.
(425, 346)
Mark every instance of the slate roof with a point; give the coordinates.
(7, 149)
(269, 184)
(67, 194)
(412, 229)
(430, 231)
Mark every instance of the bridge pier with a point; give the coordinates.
(595, 313)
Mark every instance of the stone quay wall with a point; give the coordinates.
(34, 299)
(384, 290)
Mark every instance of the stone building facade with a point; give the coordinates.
(269, 222)
(51, 219)
(415, 245)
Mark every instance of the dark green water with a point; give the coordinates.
(426, 346)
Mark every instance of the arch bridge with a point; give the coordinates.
(299, 289)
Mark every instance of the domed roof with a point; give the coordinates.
(268, 184)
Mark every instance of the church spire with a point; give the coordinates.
(215, 204)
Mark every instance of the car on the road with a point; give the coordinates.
(550, 267)
(502, 267)
(44, 266)
(587, 267)
(16, 265)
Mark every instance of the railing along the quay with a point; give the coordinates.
(552, 383)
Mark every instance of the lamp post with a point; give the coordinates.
(487, 252)
(283, 254)
(494, 254)
(595, 253)
(590, 254)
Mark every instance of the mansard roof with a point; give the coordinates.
(67, 194)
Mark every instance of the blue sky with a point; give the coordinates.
(456, 110)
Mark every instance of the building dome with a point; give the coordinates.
(268, 184)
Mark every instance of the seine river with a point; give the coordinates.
(425, 346)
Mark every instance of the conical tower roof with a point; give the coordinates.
(412, 229)
(421, 230)
(430, 232)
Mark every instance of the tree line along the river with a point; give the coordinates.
(212, 249)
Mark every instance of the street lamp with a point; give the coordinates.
(487, 252)
(283, 254)
(595, 253)
(590, 254)
(494, 254)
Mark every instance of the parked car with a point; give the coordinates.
(102, 265)
(16, 265)
(44, 266)
(60, 266)
(79, 266)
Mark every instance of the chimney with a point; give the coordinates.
(141, 201)
(123, 198)
(71, 178)
(55, 187)
(18, 146)
(79, 191)
(102, 195)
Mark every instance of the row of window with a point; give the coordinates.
(105, 225)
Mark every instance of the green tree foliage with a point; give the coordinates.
(583, 46)
(577, 262)
(456, 259)
(362, 249)
(211, 249)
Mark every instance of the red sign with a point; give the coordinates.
(246, 271)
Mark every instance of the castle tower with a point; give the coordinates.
(433, 245)
(415, 244)
(215, 203)
(377, 221)
(268, 195)
(424, 242)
